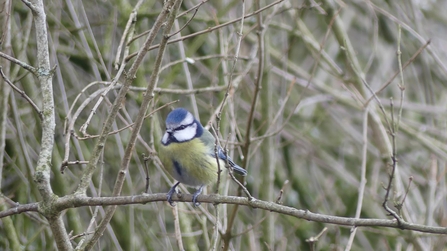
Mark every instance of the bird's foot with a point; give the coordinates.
(195, 195)
(171, 193)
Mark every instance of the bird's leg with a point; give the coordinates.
(195, 195)
(172, 192)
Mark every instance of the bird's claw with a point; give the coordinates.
(194, 200)
(171, 193)
(169, 197)
(195, 195)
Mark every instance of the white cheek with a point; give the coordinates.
(186, 134)
(164, 140)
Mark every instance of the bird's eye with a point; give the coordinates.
(181, 127)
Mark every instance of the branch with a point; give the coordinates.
(401, 68)
(361, 189)
(22, 93)
(43, 169)
(70, 201)
(18, 62)
(32, 207)
(127, 34)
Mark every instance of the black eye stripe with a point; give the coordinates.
(182, 127)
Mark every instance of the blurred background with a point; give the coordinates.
(300, 95)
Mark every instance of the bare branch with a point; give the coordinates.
(22, 93)
(18, 62)
(80, 201)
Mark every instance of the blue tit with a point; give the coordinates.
(188, 155)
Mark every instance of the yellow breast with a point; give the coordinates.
(189, 162)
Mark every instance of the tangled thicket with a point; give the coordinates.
(314, 99)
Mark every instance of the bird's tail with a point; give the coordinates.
(237, 169)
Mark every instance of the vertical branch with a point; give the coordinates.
(394, 128)
(393, 166)
(178, 231)
(361, 190)
(258, 80)
(43, 169)
(216, 229)
(44, 75)
(401, 73)
(186, 227)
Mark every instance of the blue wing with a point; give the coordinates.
(236, 168)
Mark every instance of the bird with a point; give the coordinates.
(188, 154)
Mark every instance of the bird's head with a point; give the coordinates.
(181, 126)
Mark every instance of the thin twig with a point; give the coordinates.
(393, 167)
(231, 73)
(132, 124)
(192, 60)
(361, 190)
(216, 156)
(418, 36)
(80, 235)
(180, 15)
(22, 93)
(314, 239)
(402, 83)
(281, 192)
(212, 28)
(178, 231)
(216, 228)
(399, 205)
(92, 43)
(128, 33)
(69, 124)
(186, 24)
(146, 170)
(187, 73)
(401, 68)
(20, 63)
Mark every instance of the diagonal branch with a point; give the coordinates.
(22, 93)
(18, 62)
